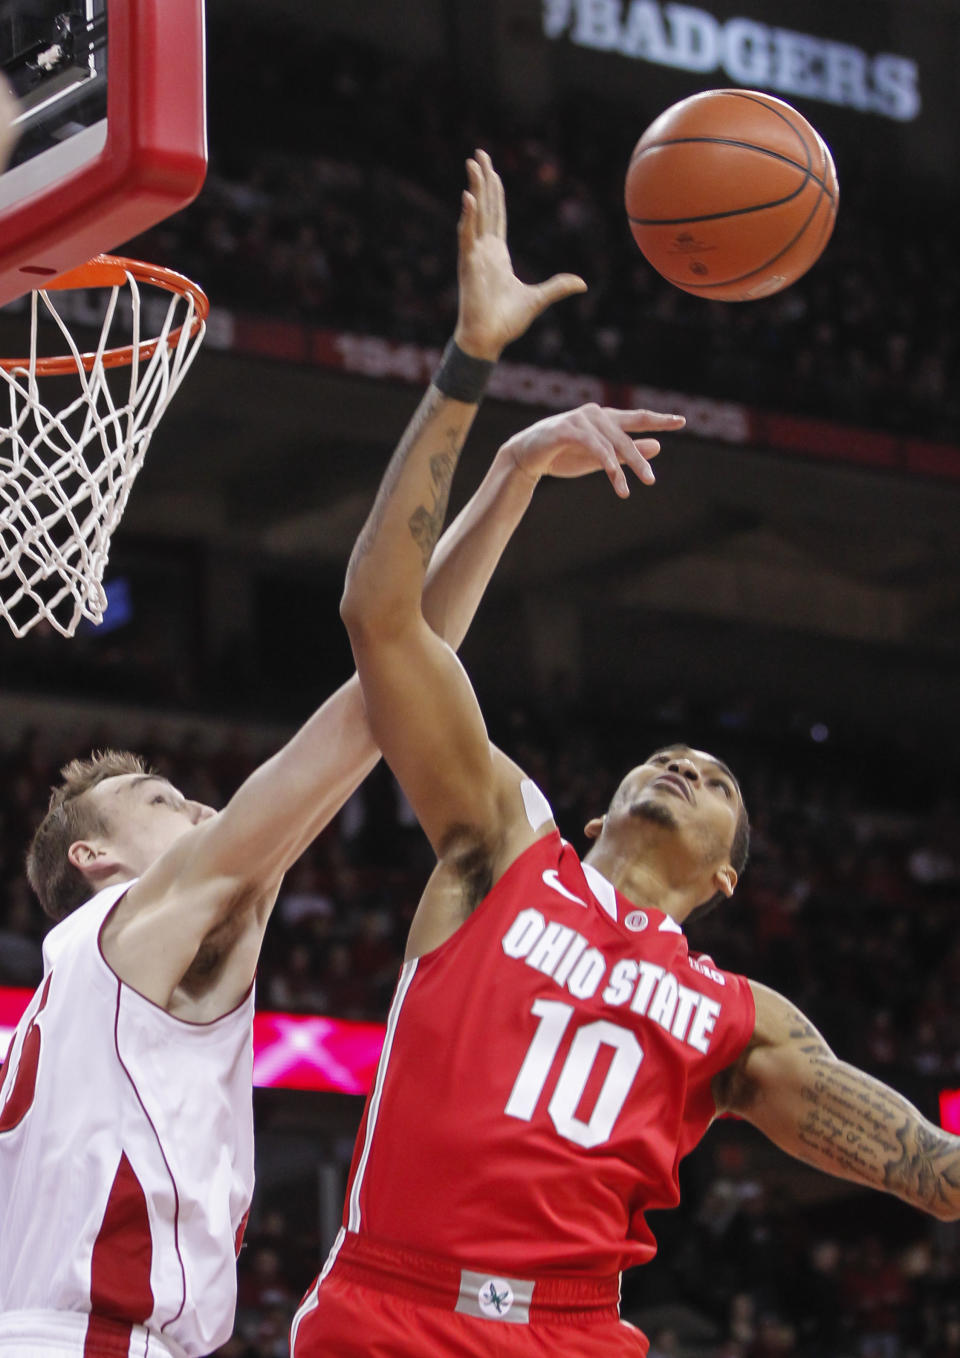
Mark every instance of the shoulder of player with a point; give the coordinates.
(523, 815)
(188, 946)
(471, 862)
(700, 963)
(779, 1022)
(187, 894)
(780, 1031)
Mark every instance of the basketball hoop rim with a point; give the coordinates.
(109, 271)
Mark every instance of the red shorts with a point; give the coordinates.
(375, 1301)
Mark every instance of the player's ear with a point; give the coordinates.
(90, 859)
(725, 879)
(594, 827)
(81, 854)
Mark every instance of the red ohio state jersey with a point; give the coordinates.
(543, 1073)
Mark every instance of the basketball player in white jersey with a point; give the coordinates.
(553, 1048)
(126, 1157)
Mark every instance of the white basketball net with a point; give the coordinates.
(66, 470)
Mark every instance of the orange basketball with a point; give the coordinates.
(731, 194)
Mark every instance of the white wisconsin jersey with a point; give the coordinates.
(126, 1156)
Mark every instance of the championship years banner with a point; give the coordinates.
(716, 420)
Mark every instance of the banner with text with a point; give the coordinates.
(876, 80)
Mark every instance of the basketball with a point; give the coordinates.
(731, 194)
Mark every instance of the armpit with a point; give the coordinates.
(732, 1088)
(205, 969)
(471, 856)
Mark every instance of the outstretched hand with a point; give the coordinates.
(588, 439)
(495, 307)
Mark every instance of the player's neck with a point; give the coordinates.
(644, 884)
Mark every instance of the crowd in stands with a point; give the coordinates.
(849, 905)
(321, 216)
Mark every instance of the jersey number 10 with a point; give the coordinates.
(525, 1096)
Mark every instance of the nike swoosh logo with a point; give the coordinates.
(551, 878)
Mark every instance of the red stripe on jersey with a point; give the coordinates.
(173, 1183)
(25, 1082)
(238, 1241)
(4, 1067)
(107, 1338)
(122, 1253)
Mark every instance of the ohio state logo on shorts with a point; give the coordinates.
(492, 1298)
(495, 1298)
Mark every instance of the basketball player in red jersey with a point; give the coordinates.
(126, 1129)
(553, 1048)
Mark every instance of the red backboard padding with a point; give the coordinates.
(152, 164)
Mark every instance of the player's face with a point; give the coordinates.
(685, 791)
(145, 814)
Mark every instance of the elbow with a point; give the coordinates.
(352, 611)
(369, 614)
(361, 605)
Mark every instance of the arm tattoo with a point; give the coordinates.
(855, 1126)
(805, 1036)
(928, 1166)
(426, 523)
(442, 466)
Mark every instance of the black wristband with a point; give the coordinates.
(461, 377)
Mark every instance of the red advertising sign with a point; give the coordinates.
(290, 1051)
(950, 1110)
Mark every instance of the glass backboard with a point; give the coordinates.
(111, 129)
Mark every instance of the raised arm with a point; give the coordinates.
(420, 703)
(831, 1115)
(215, 887)
(225, 875)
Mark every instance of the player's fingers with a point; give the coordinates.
(496, 198)
(645, 419)
(556, 288)
(631, 452)
(617, 479)
(646, 450)
(608, 456)
(477, 188)
(595, 442)
(467, 225)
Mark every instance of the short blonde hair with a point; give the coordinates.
(58, 885)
